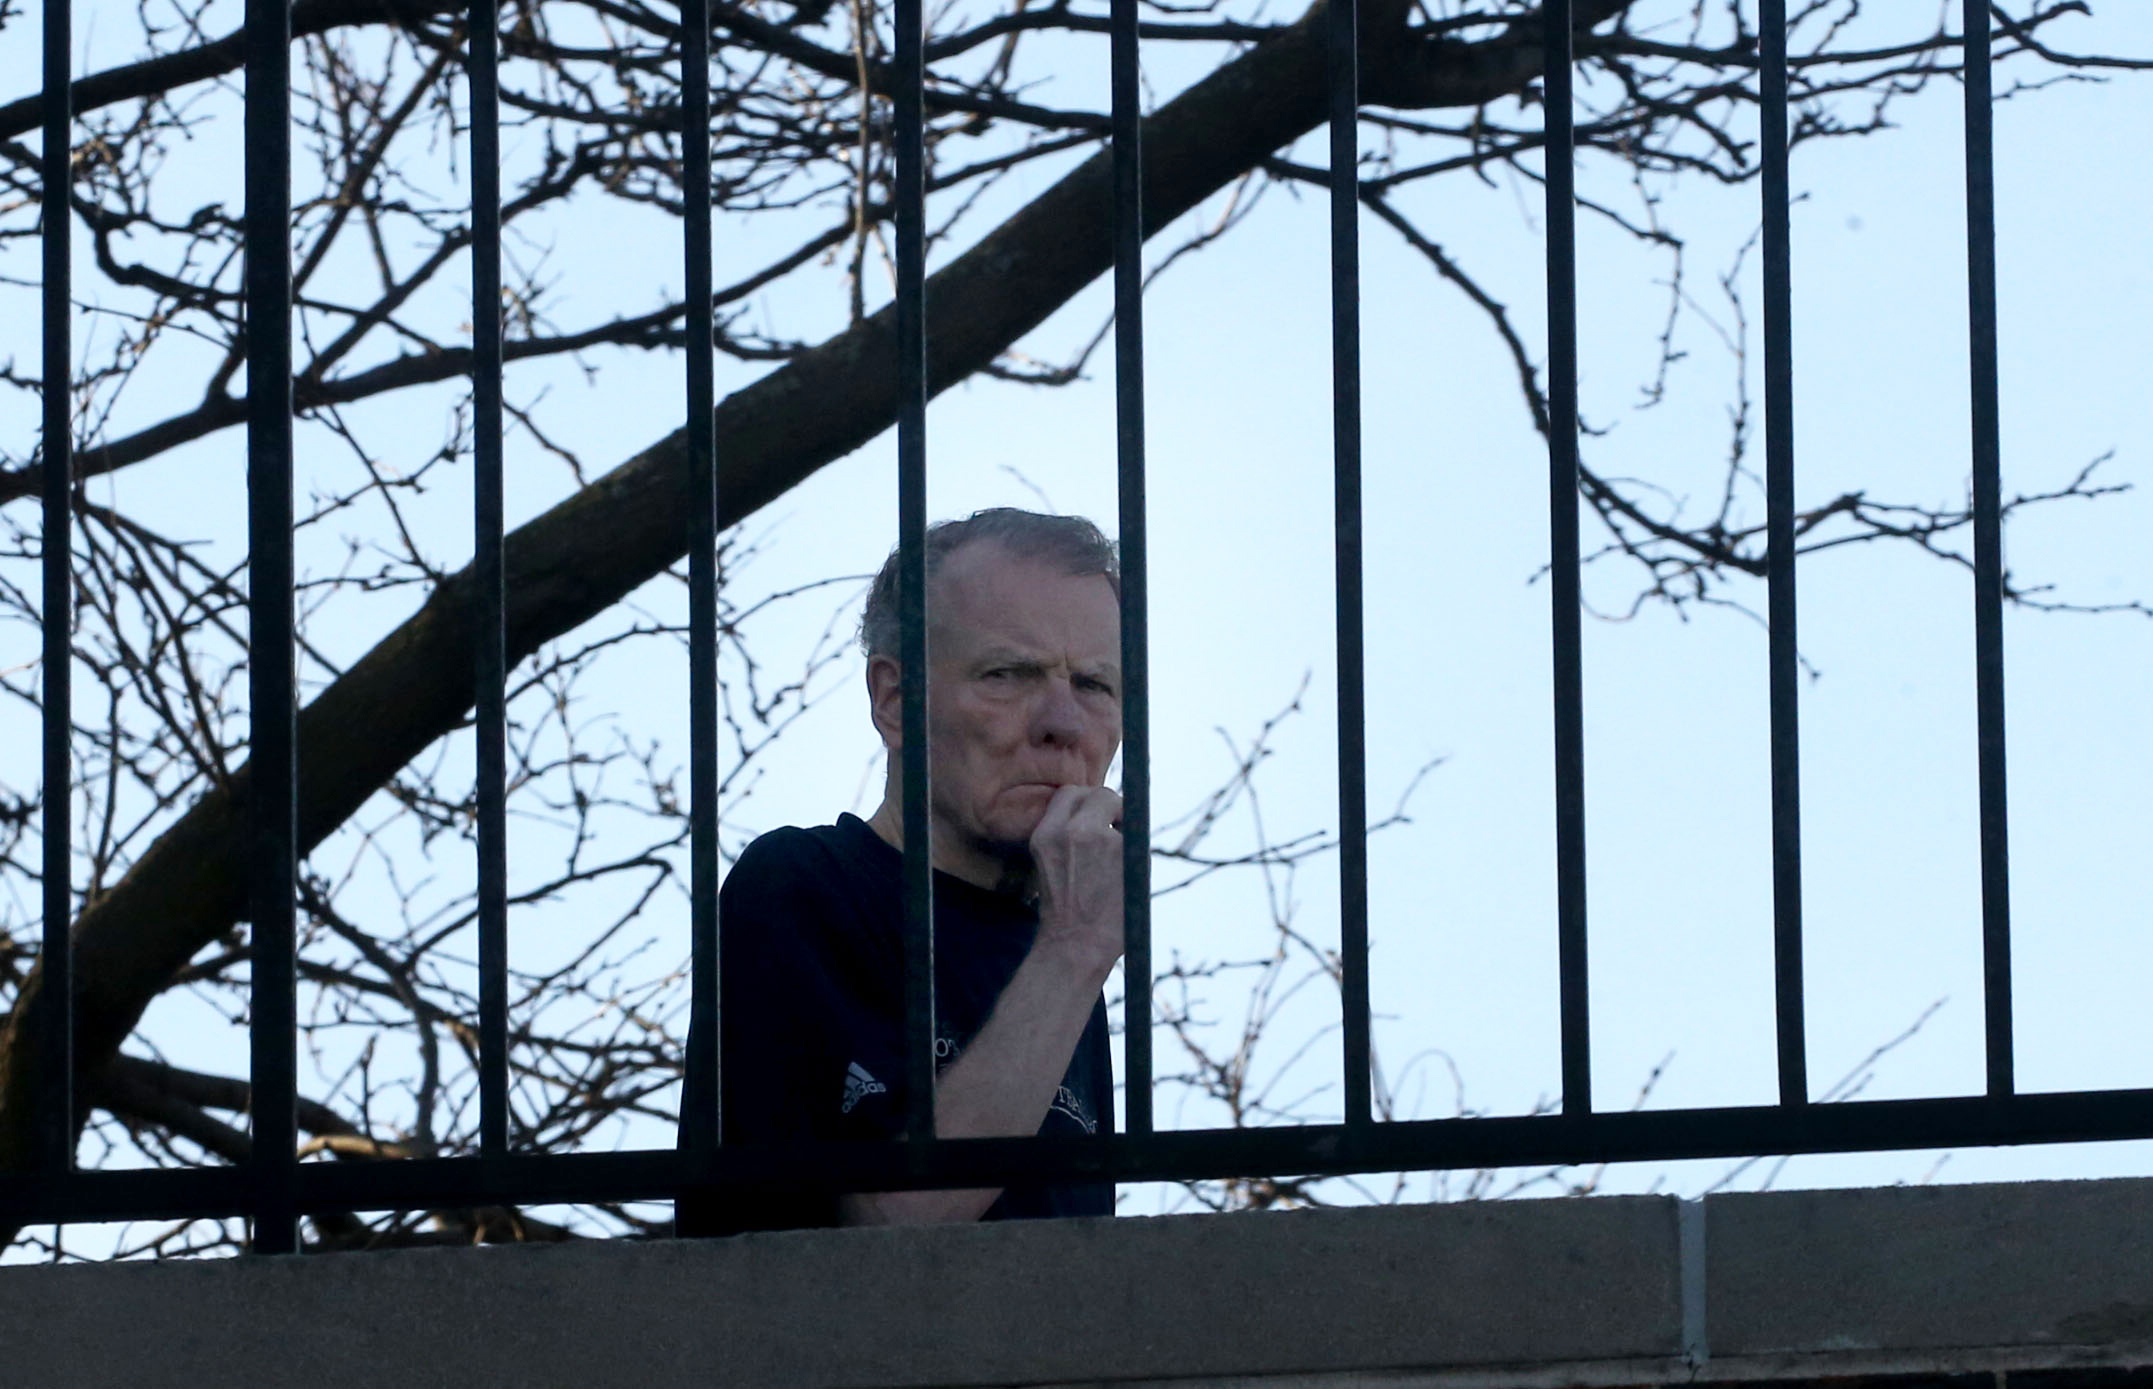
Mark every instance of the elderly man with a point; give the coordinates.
(1024, 655)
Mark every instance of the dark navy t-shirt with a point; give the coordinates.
(812, 961)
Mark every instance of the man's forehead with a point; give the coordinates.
(985, 596)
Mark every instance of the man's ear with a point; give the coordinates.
(886, 700)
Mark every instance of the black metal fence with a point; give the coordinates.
(274, 1189)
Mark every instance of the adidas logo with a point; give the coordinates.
(859, 1085)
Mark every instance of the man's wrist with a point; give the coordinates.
(1075, 959)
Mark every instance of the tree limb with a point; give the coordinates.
(155, 76)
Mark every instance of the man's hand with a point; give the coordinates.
(1076, 860)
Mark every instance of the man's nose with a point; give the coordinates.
(1058, 720)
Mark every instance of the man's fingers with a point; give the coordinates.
(1060, 807)
(1076, 805)
(1098, 805)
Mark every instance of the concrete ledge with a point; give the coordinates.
(2038, 1274)
(1607, 1291)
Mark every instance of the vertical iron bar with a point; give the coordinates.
(1568, 637)
(272, 694)
(700, 1112)
(56, 1083)
(911, 196)
(1784, 655)
(490, 647)
(1135, 564)
(1988, 552)
(1346, 469)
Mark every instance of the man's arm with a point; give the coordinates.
(1002, 1084)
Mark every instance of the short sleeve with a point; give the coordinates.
(810, 1034)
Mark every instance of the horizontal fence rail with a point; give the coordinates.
(274, 1190)
(1313, 1150)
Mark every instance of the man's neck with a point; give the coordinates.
(962, 861)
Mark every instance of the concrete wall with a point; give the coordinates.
(1629, 1290)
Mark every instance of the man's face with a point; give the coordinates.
(1025, 674)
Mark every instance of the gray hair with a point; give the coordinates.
(1071, 541)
